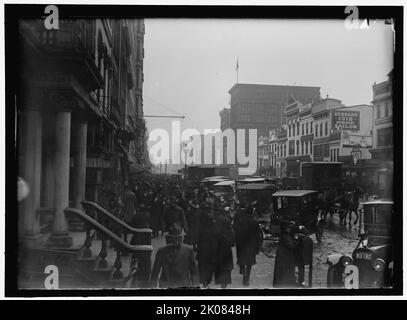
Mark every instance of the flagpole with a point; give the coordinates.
(237, 70)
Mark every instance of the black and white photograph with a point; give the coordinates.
(206, 152)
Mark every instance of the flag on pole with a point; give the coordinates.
(237, 64)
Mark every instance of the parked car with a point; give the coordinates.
(373, 255)
(301, 207)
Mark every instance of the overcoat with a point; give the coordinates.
(248, 239)
(175, 267)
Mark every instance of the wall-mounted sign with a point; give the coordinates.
(346, 120)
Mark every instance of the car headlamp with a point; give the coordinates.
(379, 264)
(345, 261)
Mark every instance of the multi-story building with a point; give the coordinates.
(381, 164)
(264, 156)
(281, 152)
(260, 107)
(224, 119)
(299, 138)
(80, 92)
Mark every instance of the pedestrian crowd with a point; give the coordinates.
(199, 234)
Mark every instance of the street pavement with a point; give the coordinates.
(336, 239)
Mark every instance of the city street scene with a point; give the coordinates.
(205, 153)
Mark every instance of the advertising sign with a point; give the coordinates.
(346, 120)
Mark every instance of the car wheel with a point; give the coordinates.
(333, 278)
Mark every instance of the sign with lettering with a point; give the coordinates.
(346, 120)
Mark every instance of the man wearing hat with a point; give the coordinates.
(287, 255)
(174, 264)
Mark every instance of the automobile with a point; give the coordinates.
(259, 195)
(224, 187)
(210, 181)
(256, 180)
(373, 255)
(300, 207)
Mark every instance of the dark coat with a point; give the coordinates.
(176, 267)
(284, 266)
(192, 218)
(247, 231)
(156, 213)
(206, 241)
(175, 214)
(130, 204)
(225, 238)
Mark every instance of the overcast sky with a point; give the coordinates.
(190, 64)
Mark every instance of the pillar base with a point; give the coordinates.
(33, 240)
(59, 240)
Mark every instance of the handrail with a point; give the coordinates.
(100, 209)
(124, 246)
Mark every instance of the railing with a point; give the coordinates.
(105, 217)
(121, 246)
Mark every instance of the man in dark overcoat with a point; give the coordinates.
(247, 231)
(225, 239)
(207, 245)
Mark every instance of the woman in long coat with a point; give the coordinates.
(247, 231)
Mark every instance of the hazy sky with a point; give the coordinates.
(189, 64)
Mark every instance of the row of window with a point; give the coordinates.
(321, 129)
(294, 129)
(383, 110)
(294, 148)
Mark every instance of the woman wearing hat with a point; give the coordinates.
(174, 264)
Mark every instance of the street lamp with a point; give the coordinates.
(185, 149)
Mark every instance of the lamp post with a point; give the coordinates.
(185, 149)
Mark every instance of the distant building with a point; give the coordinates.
(254, 106)
(260, 107)
(224, 119)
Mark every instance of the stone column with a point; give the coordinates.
(79, 149)
(60, 236)
(31, 173)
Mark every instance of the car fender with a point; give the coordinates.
(333, 259)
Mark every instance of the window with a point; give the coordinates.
(298, 128)
(320, 129)
(306, 147)
(311, 126)
(302, 129)
(302, 147)
(326, 128)
(310, 147)
(378, 116)
(306, 128)
(386, 110)
(385, 137)
(298, 147)
(316, 131)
